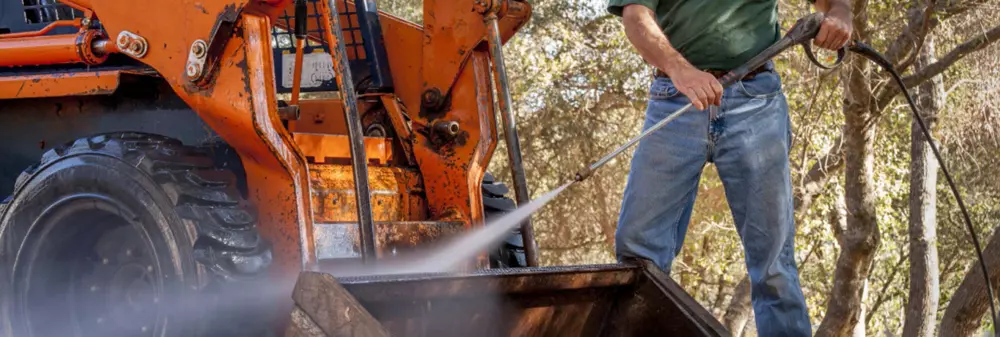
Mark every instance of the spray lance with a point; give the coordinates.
(802, 33)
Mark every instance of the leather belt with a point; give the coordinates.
(720, 73)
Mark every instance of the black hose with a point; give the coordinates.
(870, 53)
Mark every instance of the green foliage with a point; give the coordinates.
(580, 90)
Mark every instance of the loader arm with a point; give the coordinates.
(217, 58)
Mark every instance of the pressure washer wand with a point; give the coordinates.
(804, 30)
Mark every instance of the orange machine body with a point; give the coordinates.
(297, 171)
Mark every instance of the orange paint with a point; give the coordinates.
(323, 148)
(55, 85)
(78, 22)
(50, 49)
(432, 179)
(397, 194)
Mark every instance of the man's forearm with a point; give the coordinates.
(826, 6)
(645, 35)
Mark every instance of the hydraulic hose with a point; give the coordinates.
(870, 53)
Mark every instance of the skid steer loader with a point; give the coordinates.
(155, 151)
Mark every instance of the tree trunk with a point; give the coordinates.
(860, 327)
(969, 304)
(921, 309)
(739, 310)
(860, 238)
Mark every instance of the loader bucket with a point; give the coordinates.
(597, 300)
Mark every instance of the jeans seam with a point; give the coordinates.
(743, 90)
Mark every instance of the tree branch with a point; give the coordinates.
(972, 45)
(933, 14)
(883, 292)
(913, 36)
(818, 175)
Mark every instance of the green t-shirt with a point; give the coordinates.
(713, 34)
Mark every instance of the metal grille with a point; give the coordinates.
(317, 74)
(45, 11)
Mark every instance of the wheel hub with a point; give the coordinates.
(92, 271)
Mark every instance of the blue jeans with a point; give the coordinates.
(748, 139)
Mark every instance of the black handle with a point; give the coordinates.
(802, 33)
(301, 15)
(812, 57)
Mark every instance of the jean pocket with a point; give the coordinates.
(765, 84)
(663, 89)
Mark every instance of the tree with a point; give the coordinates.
(921, 309)
(865, 100)
(965, 313)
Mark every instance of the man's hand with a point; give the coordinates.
(837, 27)
(700, 87)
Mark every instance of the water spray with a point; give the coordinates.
(802, 33)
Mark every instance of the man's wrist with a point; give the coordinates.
(839, 8)
(673, 62)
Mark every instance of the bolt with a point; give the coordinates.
(156, 300)
(85, 22)
(100, 320)
(135, 47)
(144, 328)
(193, 70)
(431, 98)
(105, 261)
(93, 289)
(128, 252)
(199, 49)
(149, 268)
(123, 41)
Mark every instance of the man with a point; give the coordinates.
(744, 130)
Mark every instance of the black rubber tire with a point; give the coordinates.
(201, 239)
(510, 254)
